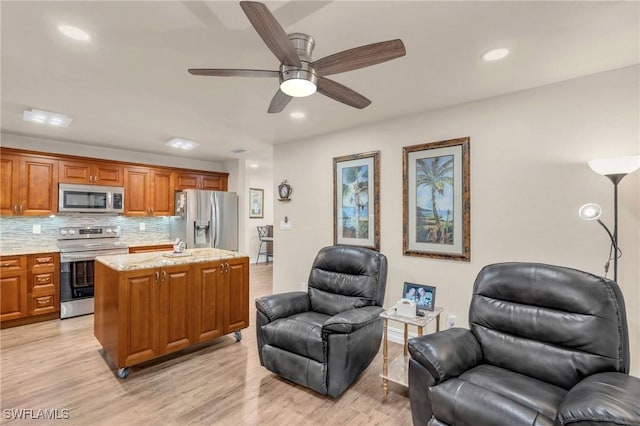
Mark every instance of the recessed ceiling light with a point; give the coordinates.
(74, 32)
(297, 115)
(495, 54)
(185, 144)
(46, 117)
(254, 166)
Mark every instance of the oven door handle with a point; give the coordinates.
(89, 255)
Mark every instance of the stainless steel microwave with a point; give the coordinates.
(73, 198)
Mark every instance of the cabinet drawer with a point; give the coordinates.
(12, 263)
(38, 261)
(43, 304)
(43, 283)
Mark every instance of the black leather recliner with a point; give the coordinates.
(548, 345)
(324, 338)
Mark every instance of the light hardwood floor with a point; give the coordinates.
(60, 365)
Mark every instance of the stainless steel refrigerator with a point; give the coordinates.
(206, 219)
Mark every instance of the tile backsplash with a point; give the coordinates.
(19, 230)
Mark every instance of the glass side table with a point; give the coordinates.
(397, 370)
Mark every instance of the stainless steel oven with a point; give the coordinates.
(79, 246)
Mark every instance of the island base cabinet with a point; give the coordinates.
(146, 313)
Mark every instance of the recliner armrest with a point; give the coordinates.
(282, 305)
(347, 321)
(603, 398)
(447, 353)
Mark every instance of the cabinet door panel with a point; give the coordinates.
(108, 174)
(9, 182)
(38, 186)
(141, 309)
(237, 296)
(75, 172)
(162, 193)
(187, 181)
(136, 192)
(208, 302)
(13, 295)
(213, 183)
(175, 308)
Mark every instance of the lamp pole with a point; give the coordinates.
(615, 179)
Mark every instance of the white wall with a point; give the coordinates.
(259, 180)
(529, 175)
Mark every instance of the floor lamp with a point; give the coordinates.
(615, 169)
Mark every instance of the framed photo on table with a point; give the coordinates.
(356, 200)
(436, 200)
(423, 295)
(256, 203)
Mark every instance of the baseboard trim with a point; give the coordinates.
(396, 335)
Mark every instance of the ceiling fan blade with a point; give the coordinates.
(340, 93)
(359, 57)
(271, 32)
(233, 73)
(279, 101)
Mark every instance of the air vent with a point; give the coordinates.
(239, 150)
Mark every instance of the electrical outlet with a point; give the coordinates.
(451, 321)
(37, 229)
(143, 226)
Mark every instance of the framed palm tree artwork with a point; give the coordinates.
(356, 200)
(436, 200)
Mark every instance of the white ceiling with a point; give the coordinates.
(128, 88)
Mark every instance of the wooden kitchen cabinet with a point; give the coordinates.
(90, 173)
(144, 313)
(213, 182)
(148, 192)
(13, 288)
(30, 288)
(29, 186)
(157, 311)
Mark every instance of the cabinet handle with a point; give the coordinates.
(15, 207)
(222, 268)
(157, 275)
(21, 209)
(164, 276)
(6, 265)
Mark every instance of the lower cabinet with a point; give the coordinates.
(29, 288)
(142, 314)
(13, 288)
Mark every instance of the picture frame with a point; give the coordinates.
(356, 200)
(256, 203)
(436, 178)
(423, 295)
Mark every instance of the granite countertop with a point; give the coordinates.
(24, 249)
(132, 262)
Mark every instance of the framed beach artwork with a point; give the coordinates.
(256, 203)
(436, 200)
(356, 200)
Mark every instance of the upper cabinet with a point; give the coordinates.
(29, 182)
(210, 181)
(92, 173)
(29, 186)
(148, 192)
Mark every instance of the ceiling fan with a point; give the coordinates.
(300, 75)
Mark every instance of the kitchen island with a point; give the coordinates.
(152, 304)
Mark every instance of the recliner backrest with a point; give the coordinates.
(548, 322)
(347, 277)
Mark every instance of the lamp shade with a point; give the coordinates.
(590, 211)
(617, 165)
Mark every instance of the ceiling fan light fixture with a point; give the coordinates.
(298, 87)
